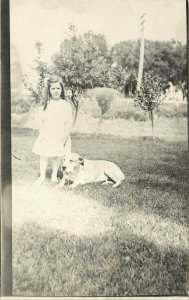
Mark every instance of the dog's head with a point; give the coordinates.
(72, 162)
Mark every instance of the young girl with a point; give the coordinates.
(54, 131)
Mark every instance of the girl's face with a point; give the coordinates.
(55, 90)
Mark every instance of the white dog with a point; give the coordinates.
(81, 171)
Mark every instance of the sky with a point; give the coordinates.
(47, 21)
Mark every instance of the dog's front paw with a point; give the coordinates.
(116, 184)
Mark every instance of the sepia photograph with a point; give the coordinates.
(99, 148)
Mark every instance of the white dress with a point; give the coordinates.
(54, 131)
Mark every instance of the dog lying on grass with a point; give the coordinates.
(81, 171)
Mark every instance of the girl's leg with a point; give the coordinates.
(43, 168)
(55, 163)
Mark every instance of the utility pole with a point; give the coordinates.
(141, 61)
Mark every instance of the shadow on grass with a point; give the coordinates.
(55, 263)
(163, 184)
(170, 173)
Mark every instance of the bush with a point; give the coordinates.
(131, 114)
(185, 114)
(171, 110)
(182, 110)
(20, 106)
(104, 97)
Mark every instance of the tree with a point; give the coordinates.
(182, 85)
(83, 63)
(150, 95)
(130, 85)
(116, 77)
(167, 59)
(126, 54)
(104, 97)
(42, 70)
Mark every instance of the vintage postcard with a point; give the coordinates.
(99, 149)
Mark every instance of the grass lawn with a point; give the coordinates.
(99, 241)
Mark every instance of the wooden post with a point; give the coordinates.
(141, 61)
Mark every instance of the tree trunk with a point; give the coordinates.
(76, 112)
(76, 104)
(98, 126)
(152, 122)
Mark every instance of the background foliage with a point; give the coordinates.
(85, 62)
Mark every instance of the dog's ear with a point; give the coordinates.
(81, 160)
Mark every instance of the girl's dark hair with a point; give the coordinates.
(46, 95)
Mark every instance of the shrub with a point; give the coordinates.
(131, 114)
(150, 95)
(171, 110)
(20, 106)
(104, 97)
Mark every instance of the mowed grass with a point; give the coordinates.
(145, 252)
